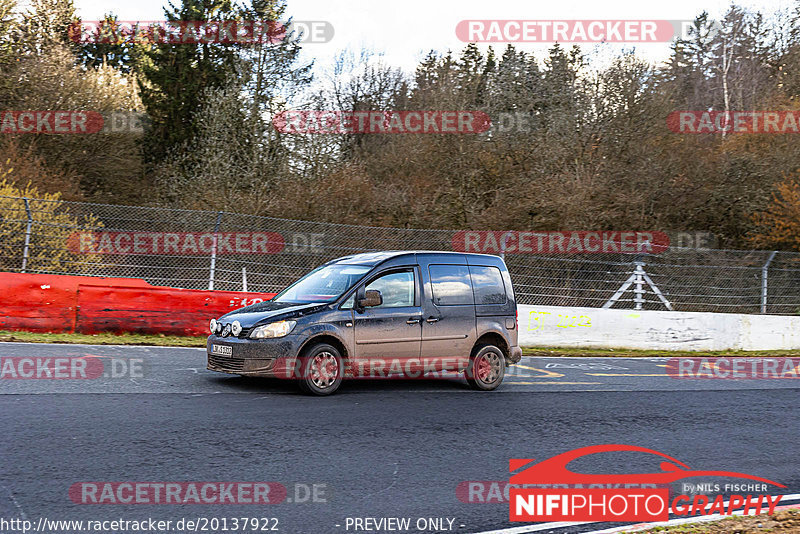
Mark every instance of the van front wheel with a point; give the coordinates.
(321, 370)
(486, 369)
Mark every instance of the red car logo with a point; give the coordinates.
(554, 470)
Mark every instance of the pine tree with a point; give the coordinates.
(111, 46)
(174, 77)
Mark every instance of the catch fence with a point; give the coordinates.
(230, 251)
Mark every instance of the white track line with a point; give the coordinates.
(522, 529)
(534, 528)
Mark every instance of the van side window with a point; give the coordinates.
(397, 289)
(487, 283)
(450, 285)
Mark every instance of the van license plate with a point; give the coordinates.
(222, 350)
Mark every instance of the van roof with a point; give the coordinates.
(374, 258)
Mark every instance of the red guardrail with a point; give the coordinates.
(85, 304)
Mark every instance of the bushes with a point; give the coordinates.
(53, 224)
(779, 225)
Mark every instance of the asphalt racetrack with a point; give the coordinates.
(376, 449)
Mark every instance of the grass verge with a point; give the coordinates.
(786, 521)
(105, 338)
(627, 353)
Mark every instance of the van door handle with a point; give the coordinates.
(414, 320)
(432, 319)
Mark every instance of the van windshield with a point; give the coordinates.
(324, 284)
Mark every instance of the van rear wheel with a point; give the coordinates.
(486, 369)
(321, 370)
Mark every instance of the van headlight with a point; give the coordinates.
(279, 329)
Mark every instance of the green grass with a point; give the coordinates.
(188, 341)
(105, 339)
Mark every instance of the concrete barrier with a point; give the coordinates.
(556, 326)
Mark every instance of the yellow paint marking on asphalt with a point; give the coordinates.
(624, 374)
(545, 373)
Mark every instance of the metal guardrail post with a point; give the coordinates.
(214, 253)
(26, 250)
(638, 279)
(638, 285)
(764, 272)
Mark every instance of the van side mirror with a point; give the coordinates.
(371, 298)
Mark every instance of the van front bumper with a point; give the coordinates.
(253, 357)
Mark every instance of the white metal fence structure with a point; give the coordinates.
(221, 250)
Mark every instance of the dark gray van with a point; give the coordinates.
(398, 314)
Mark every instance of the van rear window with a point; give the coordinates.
(451, 285)
(487, 283)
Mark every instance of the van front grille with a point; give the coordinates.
(226, 363)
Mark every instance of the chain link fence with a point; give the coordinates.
(221, 250)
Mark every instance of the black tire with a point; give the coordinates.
(487, 367)
(317, 366)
